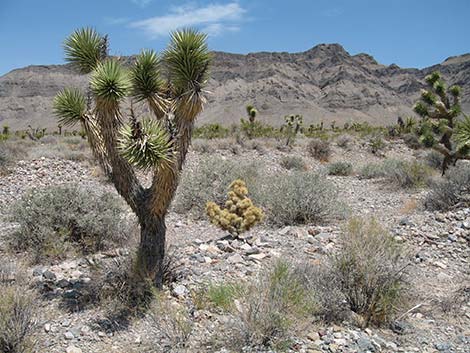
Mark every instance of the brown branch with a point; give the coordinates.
(121, 174)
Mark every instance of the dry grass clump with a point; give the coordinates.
(57, 219)
(18, 315)
(319, 149)
(369, 271)
(344, 141)
(275, 305)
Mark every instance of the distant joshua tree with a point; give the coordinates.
(440, 129)
(172, 87)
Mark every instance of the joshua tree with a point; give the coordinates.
(250, 126)
(172, 88)
(292, 126)
(439, 128)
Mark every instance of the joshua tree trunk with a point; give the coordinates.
(152, 247)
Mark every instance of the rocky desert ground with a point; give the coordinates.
(219, 293)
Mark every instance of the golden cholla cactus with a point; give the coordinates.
(239, 215)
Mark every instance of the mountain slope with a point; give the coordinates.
(325, 83)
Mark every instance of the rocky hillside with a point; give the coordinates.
(324, 83)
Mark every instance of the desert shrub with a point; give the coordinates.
(297, 198)
(210, 131)
(202, 146)
(402, 174)
(293, 163)
(369, 269)
(274, 305)
(344, 141)
(55, 219)
(434, 159)
(452, 190)
(376, 144)
(319, 149)
(412, 141)
(208, 180)
(11, 151)
(17, 319)
(340, 168)
(18, 315)
(49, 140)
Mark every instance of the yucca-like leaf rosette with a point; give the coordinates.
(69, 106)
(83, 49)
(110, 81)
(145, 145)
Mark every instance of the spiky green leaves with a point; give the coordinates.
(84, 49)
(455, 90)
(187, 59)
(69, 106)
(145, 76)
(462, 134)
(433, 78)
(109, 81)
(145, 145)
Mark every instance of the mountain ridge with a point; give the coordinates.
(323, 83)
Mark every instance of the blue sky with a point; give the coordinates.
(410, 33)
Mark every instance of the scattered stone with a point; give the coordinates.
(73, 349)
(179, 290)
(69, 335)
(235, 259)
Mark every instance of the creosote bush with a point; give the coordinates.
(400, 173)
(239, 214)
(451, 191)
(319, 149)
(55, 219)
(340, 168)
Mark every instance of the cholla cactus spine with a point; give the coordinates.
(239, 214)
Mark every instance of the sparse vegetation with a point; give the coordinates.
(277, 303)
(298, 198)
(293, 163)
(340, 168)
(450, 192)
(319, 149)
(58, 219)
(403, 174)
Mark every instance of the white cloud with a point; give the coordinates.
(141, 3)
(214, 19)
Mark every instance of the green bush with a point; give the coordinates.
(452, 190)
(55, 219)
(376, 144)
(297, 198)
(222, 295)
(402, 174)
(293, 163)
(340, 168)
(319, 149)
